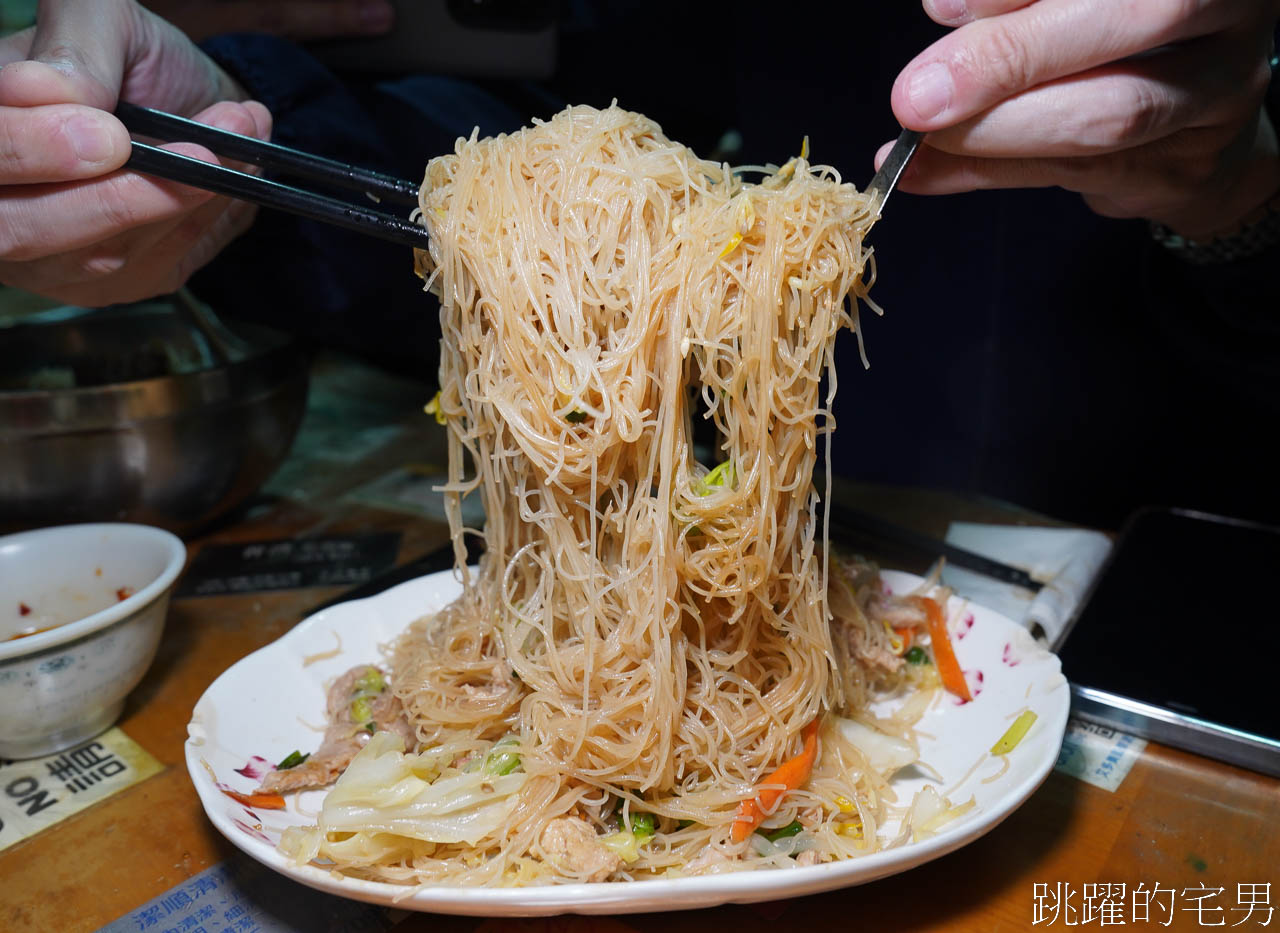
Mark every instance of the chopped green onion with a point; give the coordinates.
(371, 727)
(719, 477)
(790, 829)
(1007, 742)
(916, 655)
(292, 760)
(576, 417)
(433, 408)
(361, 709)
(643, 825)
(683, 824)
(503, 757)
(371, 681)
(502, 763)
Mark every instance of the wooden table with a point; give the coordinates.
(1177, 820)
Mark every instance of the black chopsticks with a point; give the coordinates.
(221, 180)
(845, 520)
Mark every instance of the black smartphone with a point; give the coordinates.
(1179, 639)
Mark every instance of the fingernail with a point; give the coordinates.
(90, 140)
(948, 11)
(930, 90)
(375, 15)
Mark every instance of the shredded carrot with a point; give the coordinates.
(943, 656)
(261, 801)
(791, 774)
(906, 633)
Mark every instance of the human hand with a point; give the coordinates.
(73, 225)
(1150, 108)
(302, 20)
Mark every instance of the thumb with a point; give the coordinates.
(77, 55)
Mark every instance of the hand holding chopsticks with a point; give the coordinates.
(75, 228)
(301, 201)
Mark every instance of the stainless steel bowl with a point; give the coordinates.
(132, 414)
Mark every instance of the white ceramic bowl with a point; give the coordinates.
(66, 684)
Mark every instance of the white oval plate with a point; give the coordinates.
(270, 703)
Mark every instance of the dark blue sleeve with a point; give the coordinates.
(335, 287)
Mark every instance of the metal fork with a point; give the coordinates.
(885, 180)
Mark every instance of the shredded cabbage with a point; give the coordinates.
(624, 844)
(387, 793)
(930, 811)
(885, 753)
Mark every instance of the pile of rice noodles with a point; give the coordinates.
(646, 634)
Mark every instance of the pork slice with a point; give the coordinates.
(573, 847)
(850, 627)
(344, 737)
(710, 861)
